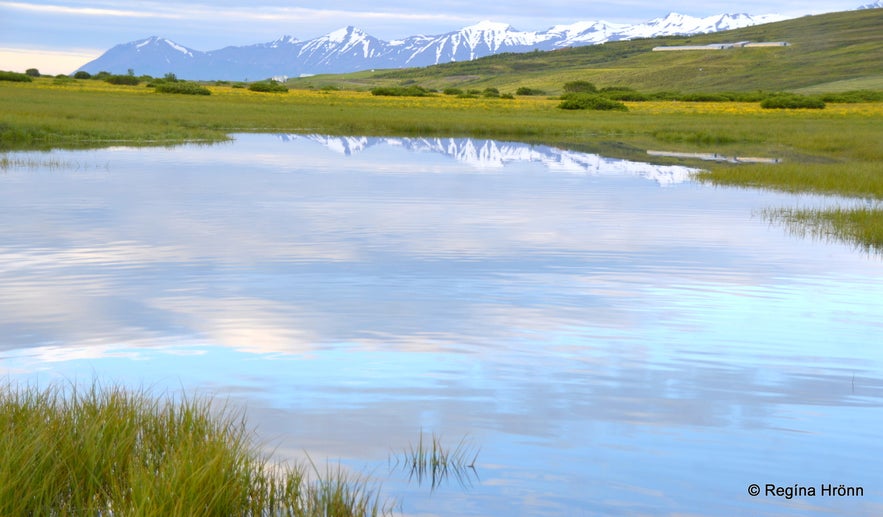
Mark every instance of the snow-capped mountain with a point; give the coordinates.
(349, 49)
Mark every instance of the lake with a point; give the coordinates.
(608, 336)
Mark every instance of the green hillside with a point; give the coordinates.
(826, 53)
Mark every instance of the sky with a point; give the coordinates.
(58, 36)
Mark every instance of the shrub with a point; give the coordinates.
(624, 94)
(524, 90)
(792, 101)
(588, 101)
(130, 80)
(507, 96)
(452, 91)
(704, 97)
(183, 87)
(490, 92)
(15, 77)
(82, 75)
(268, 86)
(32, 72)
(102, 75)
(854, 96)
(400, 91)
(579, 87)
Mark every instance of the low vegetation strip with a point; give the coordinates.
(72, 450)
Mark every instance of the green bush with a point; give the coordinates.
(15, 77)
(588, 101)
(792, 101)
(490, 93)
(580, 87)
(268, 86)
(624, 94)
(130, 80)
(33, 72)
(452, 91)
(704, 97)
(524, 90)
(82, 75)
(854, 96)
(400, 91)
(183, 87)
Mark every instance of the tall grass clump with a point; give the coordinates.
(69, 450)
(429, 460)
(861, 227)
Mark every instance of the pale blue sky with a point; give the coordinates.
(57, 36)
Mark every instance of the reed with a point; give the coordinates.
(69, 450)
(429, 460)
(861, 227)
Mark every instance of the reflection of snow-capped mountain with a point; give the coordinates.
(492, 154)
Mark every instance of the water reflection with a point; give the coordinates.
(614, 346)
(715, 157)
(492, 154)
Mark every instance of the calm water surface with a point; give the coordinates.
(615, 338)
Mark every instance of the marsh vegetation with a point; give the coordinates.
(104, 450)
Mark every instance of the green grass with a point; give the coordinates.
(430, 461)
(862, 227)
(74, 451)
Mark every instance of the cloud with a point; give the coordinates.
(47, 61)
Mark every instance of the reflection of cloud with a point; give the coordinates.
(240, 323)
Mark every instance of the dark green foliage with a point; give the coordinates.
(32, 72)
(854, 96)
(704, 97)
(507, 96)
(792, 101)
(268, 86)
(102, 75)
(452, 91)
(130, 80)
(490, 93)
(524, 90)
(183, 87)
(15, 77)
(589, 101)
(623, 93)
(400, 91)
(580, 87)
(82, 75)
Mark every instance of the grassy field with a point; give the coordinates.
(69, 450)
(836, 150)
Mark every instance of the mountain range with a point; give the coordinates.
(350, 49)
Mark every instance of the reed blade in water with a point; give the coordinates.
(429, 460)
